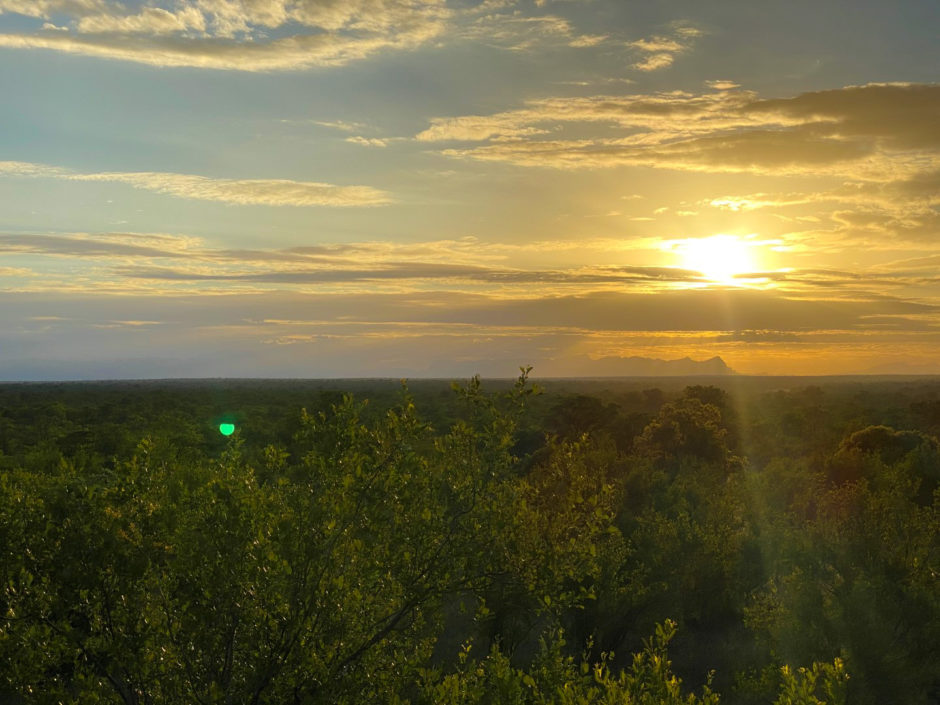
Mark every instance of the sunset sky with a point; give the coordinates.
(326, 188)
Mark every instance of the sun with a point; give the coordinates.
(720, 258)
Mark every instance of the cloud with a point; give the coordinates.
(503, 27)
(186, 250)
(901, 115)
(655, 118)
(130, 261)
(882, 228)
(45, 8)
(367, 141)
(230, 34)
(453, 273)
(878, 214)
(268, 192)
(150, 20)
(659, 52)
(838, 284)
(230, 18)
(779, 151)
(340, 125)
(722, 85)
(175, 265)
(657, 44)
(478, 128)
(588, 40)
(101, 245)
(880, 133)
(14, 271)
(654, 62)
(755, 201)
(414, 270)
(290, 53)
(448, 251)
(757, 152)
(134, 262)
(275, 35)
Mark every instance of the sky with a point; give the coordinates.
(440, 188)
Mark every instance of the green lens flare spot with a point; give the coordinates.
(226, 429)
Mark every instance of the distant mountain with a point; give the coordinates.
(647, 367)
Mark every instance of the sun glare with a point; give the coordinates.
(720, 258)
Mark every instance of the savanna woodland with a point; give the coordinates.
(636, 542)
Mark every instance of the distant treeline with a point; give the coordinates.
(772, 541)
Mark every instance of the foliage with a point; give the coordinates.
(802, 686)
(557, 679)
(358, 552)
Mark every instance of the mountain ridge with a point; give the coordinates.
(636, 366)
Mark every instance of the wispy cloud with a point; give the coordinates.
(188, 249)
(882, 215)
(150, 20)
(367, 141)
(340, 125)
(660, 51)
(291, 53)
(181, 259)
(653, 118)
(654, 62)
(410, 271)
(268, 192)
(502, 25)
(45, 8)
(228, 34)
(276, 35)
(874, 135)
(98, 245)
(588, 40)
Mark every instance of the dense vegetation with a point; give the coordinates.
(770, 541)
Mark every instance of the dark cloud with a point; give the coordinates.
(421, 270)
(81, 246)
(904, 115)
(758, 150)
(871, 132)
(414, 270)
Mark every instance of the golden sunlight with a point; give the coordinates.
(720, 258)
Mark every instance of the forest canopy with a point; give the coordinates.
(486, 543)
